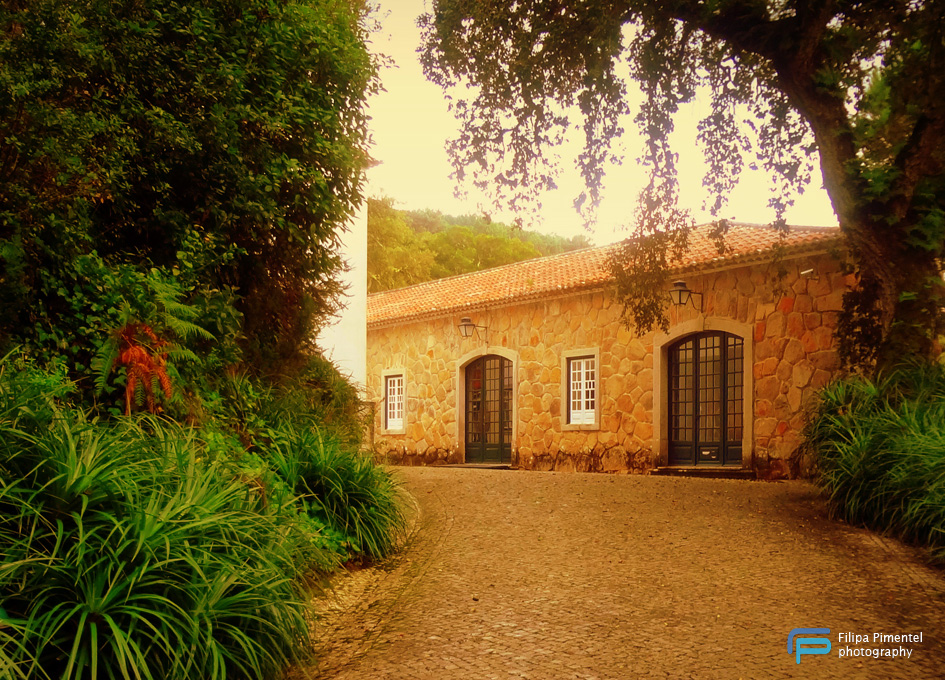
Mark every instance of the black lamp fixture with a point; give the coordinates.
(681, 295)
(467, 327)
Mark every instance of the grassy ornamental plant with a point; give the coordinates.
(880, 452)
(345, 490)
(146, 549)
(126, 555)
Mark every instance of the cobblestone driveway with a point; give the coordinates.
(514, 574)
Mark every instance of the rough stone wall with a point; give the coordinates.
(427, 353)
(792, 317)
(795, 355)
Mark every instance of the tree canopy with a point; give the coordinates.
(858, 86)
(413, 246)
(209, 149)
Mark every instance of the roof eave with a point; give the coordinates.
(721, 264)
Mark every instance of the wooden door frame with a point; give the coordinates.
(661, 344)
(698, 360)
(463, 362)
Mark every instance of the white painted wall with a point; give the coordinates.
(345, 341)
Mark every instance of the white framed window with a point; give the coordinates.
(394, 402)
(582, 390)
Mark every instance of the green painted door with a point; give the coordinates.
(489, 410)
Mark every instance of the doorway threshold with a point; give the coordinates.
(480, 466)
(706, 472)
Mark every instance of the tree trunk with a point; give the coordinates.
(896, 313)
(912, 305)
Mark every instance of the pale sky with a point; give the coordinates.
(411, 124)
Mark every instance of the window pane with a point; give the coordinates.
(710, 389)
(582, 390)
(395, 402)
(682, 391)
(734, 383)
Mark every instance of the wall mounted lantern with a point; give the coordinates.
(681, 295)
(809, 274)
(467, 327)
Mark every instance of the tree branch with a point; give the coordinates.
(793, 45)
(917, 160)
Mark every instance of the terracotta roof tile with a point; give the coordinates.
(575, 270)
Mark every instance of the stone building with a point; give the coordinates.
(530, 364)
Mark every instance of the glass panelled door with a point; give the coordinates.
(706, 383)
(489, 410)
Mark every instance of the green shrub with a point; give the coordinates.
(29, 395)
(126, 554)
(319, 395)
(138, 548)
(341, 487)
(879, 447)
(316, 396)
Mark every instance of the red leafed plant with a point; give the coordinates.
(143, 355)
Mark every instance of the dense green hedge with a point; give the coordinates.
(216, 143)
(879, 448)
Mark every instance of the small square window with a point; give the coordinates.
(394, 399)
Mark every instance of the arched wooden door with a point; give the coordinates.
(706, 399)
(489, 410)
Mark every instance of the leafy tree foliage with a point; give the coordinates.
(395, 255)
(217, 142)
(859, 84)
(545, 244)
(408, 247)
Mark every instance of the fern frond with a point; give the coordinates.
(179, 309)
(103, 362)
(178, 353)
(185, 329)
(149, 392)
(131, 387)
(165, 381)
(148, 332)
(136, 356)
(144, 356)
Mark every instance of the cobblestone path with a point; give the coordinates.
(512, 574)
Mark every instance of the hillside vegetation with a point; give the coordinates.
(412, 246)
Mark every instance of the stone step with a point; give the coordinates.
(706, 472)
(481, 466)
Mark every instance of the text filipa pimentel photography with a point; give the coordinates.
(849, 644)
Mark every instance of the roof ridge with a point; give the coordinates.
(759, 225)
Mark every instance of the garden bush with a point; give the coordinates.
(127, 556)
(344, 489)
(140, 548)
(170, 255)
(879, 451)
